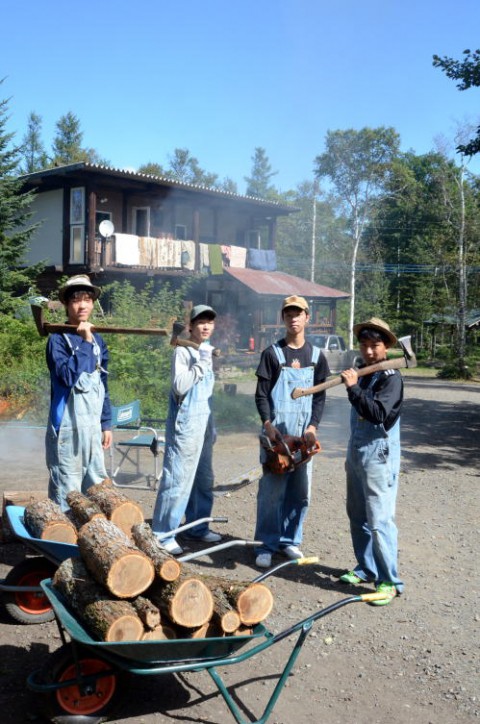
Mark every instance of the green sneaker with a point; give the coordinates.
(352, 578)
(390, 592)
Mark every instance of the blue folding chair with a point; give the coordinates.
(127, 418)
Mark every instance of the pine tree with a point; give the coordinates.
(258, 184)
(67, 144)
(15, 231)
(33, 150)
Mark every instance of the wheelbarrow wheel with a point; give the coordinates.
(91, 703)
(29, 606)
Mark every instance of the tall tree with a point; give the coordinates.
(67, 144)
(467, 72)
(33, 151)
(258, 183)
(357, 164)
(151, 169)
(15, 231)
(185, 168)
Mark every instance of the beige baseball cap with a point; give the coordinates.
(295, 301)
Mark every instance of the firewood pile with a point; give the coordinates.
(125, 586)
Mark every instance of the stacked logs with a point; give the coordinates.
(125, 586)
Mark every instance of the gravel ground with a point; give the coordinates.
(414, 660)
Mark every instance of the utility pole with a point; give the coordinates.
(314, 229)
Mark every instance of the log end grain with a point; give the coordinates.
(130, 575)
(254, 604)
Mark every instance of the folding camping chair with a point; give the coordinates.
(127, 418)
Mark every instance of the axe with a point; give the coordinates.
(176, 341)
(408, 360)
(46, 328)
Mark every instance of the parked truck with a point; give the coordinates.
(333, 346)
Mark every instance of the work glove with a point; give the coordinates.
(205, 351)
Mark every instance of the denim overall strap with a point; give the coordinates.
(75, 455)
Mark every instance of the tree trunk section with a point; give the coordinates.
(44, 519)
(160, 633)
(166, 566)
(107, 619)
(117, 507)
(113, 560)
(252, 601)
(21, 498)
(147, 612)
(186, 601)
(82, 509)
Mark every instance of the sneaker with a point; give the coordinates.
(352, 578)
(264, 560)
(292, 552)
(172, 547)
(389, 590)
(211, 537)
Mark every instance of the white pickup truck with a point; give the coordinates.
(333, 346)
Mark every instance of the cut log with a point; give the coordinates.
(186, 601)
(82, 509)
(166, 566)
(252, 601)
(160, 633)
(208, 630)
(113, 560)
(118, 508)
(147, 612)
(243, 631)
(21, 498)
(225, 616)
(107, 619)
(44, 519)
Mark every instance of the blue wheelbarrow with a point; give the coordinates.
(23, 598)
(86, 680)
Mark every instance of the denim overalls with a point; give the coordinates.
(372, 467)
(186, 485)
(74, 454)
(283, 500)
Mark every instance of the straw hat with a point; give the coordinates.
(78, 283)
(378, 325)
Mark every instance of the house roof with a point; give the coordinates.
(275, 283)
(85, 169)
(472, 319)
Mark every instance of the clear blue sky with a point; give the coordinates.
(222, 77)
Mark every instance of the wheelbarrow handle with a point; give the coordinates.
(219, 547)
(296, 562)
(187, 526)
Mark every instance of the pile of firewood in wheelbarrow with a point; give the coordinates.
(124, 586)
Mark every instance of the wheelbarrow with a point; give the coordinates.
(23, 597)
(86, 680)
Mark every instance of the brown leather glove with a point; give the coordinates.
(310, 439)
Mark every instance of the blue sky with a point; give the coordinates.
(221, 78)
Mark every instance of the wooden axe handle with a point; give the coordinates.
(388, 364)
(189, 343)
(60, 328)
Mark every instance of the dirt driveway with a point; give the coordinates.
(416, 660)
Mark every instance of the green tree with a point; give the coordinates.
(33, 151)
(15, 230)
(151, 169)
(357, 164)
(258, 183)
(467, 72)
(185, 168)
(67, 144)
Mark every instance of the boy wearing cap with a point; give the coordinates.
(283, 500)
(186, 485)
(373, 463)
(80, 419)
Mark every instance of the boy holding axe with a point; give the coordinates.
(79, 422)
(373, 462)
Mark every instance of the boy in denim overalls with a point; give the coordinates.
(373, 463)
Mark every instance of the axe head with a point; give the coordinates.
(177, 329)
(406, 345)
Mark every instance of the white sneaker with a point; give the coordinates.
(292, 552)
(264, 560)
(211, 537)
(172, 547)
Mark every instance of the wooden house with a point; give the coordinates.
(116, 224)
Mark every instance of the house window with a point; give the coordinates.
(77, 205)
(180, 232)
(252, 239)
(77, 244)
(141, 220)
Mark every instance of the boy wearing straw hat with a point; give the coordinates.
(373, 463)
